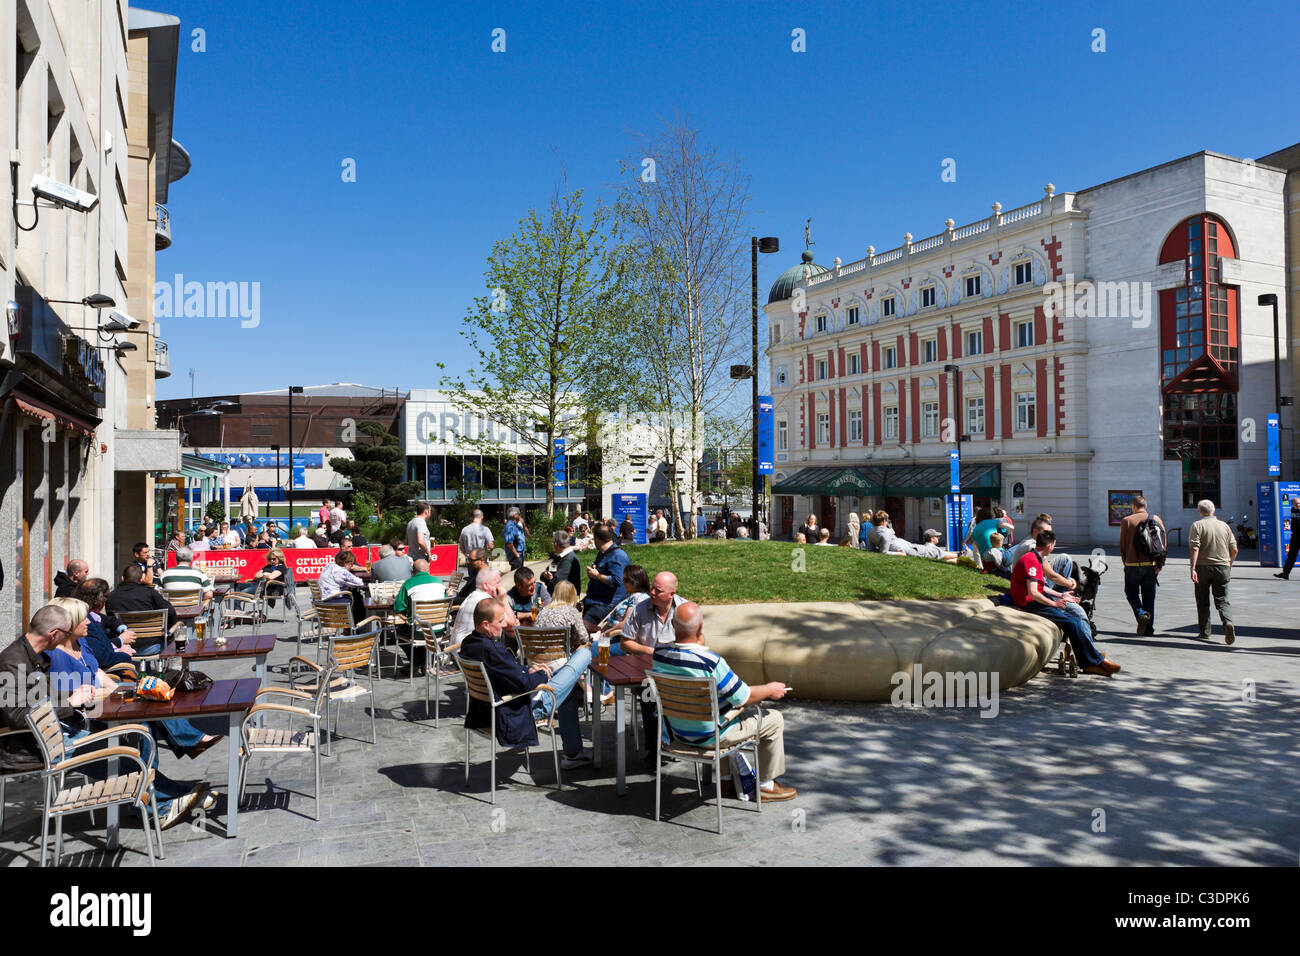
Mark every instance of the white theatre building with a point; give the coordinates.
(1106, 341)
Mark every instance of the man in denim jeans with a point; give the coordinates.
(1140, 569)
(516, 722)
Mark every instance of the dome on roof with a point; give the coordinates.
(787, 280)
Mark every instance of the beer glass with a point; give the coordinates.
(602, 652)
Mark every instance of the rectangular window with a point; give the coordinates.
(821, 369)
(782, 437)
(1024, 334)
(975, 343)
(853, 315)
(821, 323)
(972, 285)
(930, 419)
(887, 306)
(855, 363)
(927, 297)
(776, 334)
(889, 356)
(1026, 417)
(1024, 273)
(891, 421)
(823, 427)
(855, 426)
(974, 417)
(930, 350)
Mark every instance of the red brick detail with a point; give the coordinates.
(867, 293)
(914, 359)
(1053, 250)
(803, 319)
(943, 345)
(812, 420)
(803, 427)
(947, 272)
(840, 358)
(875, 356)
(1059, 388)
(830, 363)
(989, 342)
(907, 283)
(875, 413)
(862, 364)
(916, 410)
(844, 418)
(995, 257)
(830, 410)
(811, 368)
(1058, 327)
(865, 419)
(1004, 332)
(956, 341)
(835, 303)
(1040, 396)
(990, 405)
(1040, 326)
(902, 411)
(1006, 401)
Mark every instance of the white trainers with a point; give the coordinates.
(181, 805)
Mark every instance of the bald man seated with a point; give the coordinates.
(689, 657)
(67, 582)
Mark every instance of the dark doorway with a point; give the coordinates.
(897, 515)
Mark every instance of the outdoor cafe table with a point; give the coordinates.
(230, 697)
(188, 615)
(624, 673)
(256, 646)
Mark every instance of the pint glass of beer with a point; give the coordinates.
(200, 626)
(602, 652)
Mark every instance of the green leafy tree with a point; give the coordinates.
(377, 467)
(550, 333)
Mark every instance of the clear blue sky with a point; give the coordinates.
(369, 281)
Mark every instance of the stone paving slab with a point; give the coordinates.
(1170, 762)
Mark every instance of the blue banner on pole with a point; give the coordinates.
(765, 434)
(299, 476)
(557, 453)
(631, 507)
(959, 512)
(1274, 447)
(954, 471)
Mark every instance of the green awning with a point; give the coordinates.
(895, 481)
(834, 480)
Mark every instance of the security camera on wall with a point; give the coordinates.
(63, 195)
(116, 320)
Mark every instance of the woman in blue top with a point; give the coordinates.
(109, 640)
(996, 520)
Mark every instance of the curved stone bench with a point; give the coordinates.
(852, 650)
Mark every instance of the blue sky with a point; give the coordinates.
(368, 281)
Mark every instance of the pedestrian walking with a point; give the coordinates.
(1291, 551)
(1214, 549)
(1142, 548)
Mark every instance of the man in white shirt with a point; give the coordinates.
(230, 539)
(338, 517)
(476, 535)
(417, 533)
(302, 541)
(488, 585)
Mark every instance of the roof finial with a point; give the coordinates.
(807, 235)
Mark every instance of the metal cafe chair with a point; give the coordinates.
(478, 685)
(135, 787)
(696, 699)
(429, 623)
(255, 741)
(348, 654)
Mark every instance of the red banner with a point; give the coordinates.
(304, 564)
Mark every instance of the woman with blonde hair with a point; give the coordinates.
(563, 611)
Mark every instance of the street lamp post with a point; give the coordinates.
(955, 372)
(293, 390)
(767, 244)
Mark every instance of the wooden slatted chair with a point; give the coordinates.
(348, 654)
(334, 618)
(150, 628)
(313, 585)
(696, 699)
(478, 685)
(429, 623)
(135, 787)
(455, 581)
(307, 618)
(386, 592)
(193, 598)
(240, 607)
(255, 740)
(543, 645)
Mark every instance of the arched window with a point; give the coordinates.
(1200, 334)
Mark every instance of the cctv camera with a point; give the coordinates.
(118, 321)
(62, 195)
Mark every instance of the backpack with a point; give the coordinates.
(1149, 540)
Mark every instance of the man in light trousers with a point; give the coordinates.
(1214, 549)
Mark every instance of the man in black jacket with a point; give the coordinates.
(476, 560)
(25, 680)
(66, 582)
(516, 721)
(132, 595)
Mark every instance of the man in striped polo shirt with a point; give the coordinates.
(688, 657)
(186, 577)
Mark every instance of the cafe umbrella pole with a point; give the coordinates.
(293, 390)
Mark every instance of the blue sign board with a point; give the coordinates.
(299, 476)
(954, 473)
(1274, 448)
(434, 481)
(765, 434)
(959, 513)
(558, 455)
(632, 508)
(1275, 526)
(267, 459)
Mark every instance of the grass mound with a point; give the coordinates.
(755, 572)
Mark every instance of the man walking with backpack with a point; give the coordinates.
(1143, 549)
(1214, 549)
